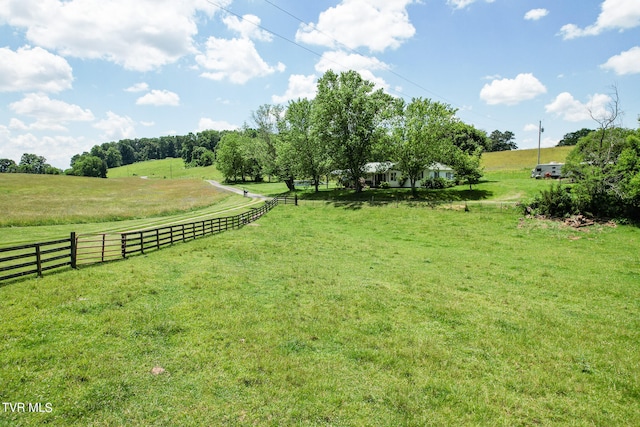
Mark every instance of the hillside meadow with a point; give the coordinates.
(339, 314)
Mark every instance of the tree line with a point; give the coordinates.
(348, 124)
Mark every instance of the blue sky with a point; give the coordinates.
(76, 73)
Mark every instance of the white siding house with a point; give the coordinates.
(376, 173)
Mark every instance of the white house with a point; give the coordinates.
(375, 173)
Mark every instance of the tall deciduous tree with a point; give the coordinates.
(266, 119)
(229, 156)
(347, 117)
(423, 137)
(306, 154)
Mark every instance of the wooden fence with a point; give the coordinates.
(36, 258)
(83, 249)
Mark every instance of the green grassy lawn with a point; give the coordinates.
(329, 315)
(164, 169)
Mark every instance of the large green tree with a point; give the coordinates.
(303, 152)
(229, 156)
(347, 120)
(423, 137)
(266, 119)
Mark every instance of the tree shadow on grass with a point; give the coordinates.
(382, 196)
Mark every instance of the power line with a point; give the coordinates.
(339, 43)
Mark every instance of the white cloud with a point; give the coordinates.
(531, 128)
(512, 91)
(247, 27)
(300, 86)
(236, 60)
(140, 35)
(33, 69)
(147, 124)
(210, 124)
(614, 15)
(461, 4)
(138, 87)
(49, 113)
(572, 110)
(535, 14)
(56, 149)
(375, 24)
(627, 62)
(116, 127)
(159, 98)
(365, 65)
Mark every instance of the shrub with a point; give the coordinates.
(556, 202)
(438, 183)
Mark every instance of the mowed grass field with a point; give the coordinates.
(55, 199)
(340, 316)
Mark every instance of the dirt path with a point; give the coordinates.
(235, 190)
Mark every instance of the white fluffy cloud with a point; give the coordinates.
(627, 62)
(247, 27)
(140, 35)
(300, 86)
(614, 15)
(33, 69)
(512, 91)
(50, 114)
(159, 98)
(206, 123)
(116, 127)
(138, 87)
(236, 60)
(375, 24)
(572, 110)
(535, 14)
(461, 4)
(365, 65)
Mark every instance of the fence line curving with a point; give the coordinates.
(86, 249)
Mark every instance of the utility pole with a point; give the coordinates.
(540, 130)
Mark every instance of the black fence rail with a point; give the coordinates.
(102, 247)
(85, 249)
(36, 258)
(287, 200)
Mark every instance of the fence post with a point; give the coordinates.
(123, 245)
(295, 200)
(104, 237)
(141, 243)
(74, 249)
(38, 261)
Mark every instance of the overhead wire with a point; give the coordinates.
(339, 43)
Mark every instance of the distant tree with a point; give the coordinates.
(32, 163)
(208, 139)
(8, 166)
(91, 166)
(113, 157)
(202, 156)
(347, 117)
(229, 158)
(467, 138)
(572, 138)
(501, 141)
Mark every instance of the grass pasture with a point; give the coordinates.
(523, 159)
(52, 199)
(338, 316)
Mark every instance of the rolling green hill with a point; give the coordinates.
(523, 159)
